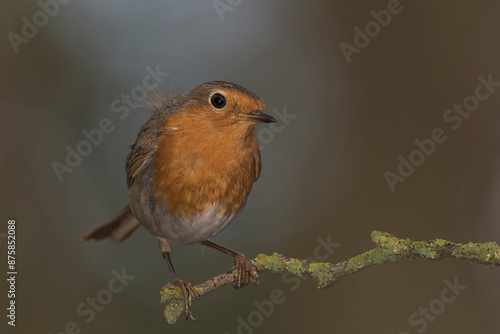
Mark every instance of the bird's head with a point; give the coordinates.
(227, 104)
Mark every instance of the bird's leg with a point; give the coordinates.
(246, 270)
(185, 287)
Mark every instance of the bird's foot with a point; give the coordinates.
(186, 288)
(246, 271)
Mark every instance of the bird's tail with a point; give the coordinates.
(117, 228)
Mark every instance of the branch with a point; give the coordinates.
(388, 249)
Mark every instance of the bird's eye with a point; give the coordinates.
(218, 100)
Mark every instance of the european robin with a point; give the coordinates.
(190, 172)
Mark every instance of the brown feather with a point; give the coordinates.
(117, 228)
(207, 161)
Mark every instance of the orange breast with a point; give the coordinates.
(203, 162)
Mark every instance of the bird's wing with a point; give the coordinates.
(144, 147)
(146, 142)
(258, 165)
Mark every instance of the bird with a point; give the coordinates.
(190, 172)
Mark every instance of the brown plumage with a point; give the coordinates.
(191, 169)
(204, 161)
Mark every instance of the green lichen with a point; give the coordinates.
(321, 272)
(273, 262)
(377, 236)
(373, 256)
(355, 263)
(387, 247)
(175, 304)
(391, 242)
(295, 267)
(440, 242)
(173, 310)
(469, 248)
(172, 295)
(483, 253)
(422, 249)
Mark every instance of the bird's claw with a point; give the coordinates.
(186, 288)
(246, 272)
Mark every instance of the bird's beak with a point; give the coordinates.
(258, 116)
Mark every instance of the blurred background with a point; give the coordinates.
(351, 95)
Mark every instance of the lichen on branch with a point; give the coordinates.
(388, 249)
